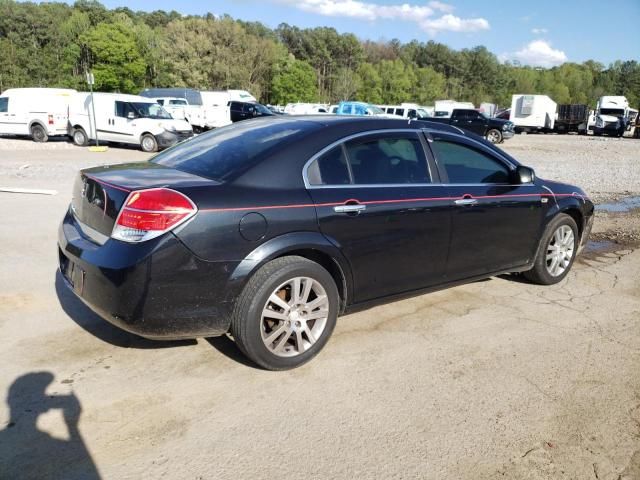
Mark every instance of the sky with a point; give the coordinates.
(541, 33)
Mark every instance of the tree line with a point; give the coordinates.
(54, 44)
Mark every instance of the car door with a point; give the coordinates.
(495, 221)
(123, 123)
(379, 200)
(475, 122)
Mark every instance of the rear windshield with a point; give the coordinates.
(232, 149)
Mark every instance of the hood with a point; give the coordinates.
(176, 124)
(608, 118)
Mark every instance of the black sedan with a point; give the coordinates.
(269, 229)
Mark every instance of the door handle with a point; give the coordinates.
(349, 208)
(466, 201)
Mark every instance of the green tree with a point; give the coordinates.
(295, 82)
(114, 58)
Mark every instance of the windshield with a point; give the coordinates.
(612, 111)
(423, 113)
(375, 110)
(150, 110)
(262, 109)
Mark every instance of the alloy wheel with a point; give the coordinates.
(294, 317)
(560, 250)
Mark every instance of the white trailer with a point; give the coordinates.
(121, 118)
(533, 113)
(444, 108)
(36, 112)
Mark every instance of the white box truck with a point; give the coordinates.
(36, 112)
(533, 113)
(444, 108)
(122, 118)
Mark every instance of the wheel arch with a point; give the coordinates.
(38, 122)
(310, 245)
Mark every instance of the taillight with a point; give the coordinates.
(50, 119)
(147, 214)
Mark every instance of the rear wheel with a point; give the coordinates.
(38, 133)
(556, 252)
(148, 143)
(80, 137)
(494, 136)
(286, 313)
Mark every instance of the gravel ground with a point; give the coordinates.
(495, 379)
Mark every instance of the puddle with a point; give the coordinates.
(623, 205)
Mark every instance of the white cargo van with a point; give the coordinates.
(407, 110)
(124, 118)
(533, 113)
(36, 112)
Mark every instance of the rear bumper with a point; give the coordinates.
(157, 289)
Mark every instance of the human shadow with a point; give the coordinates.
(29, 453)
(100, 328)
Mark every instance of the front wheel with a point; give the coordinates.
(148, 143)
(556, 252)
(39, 134)
(286, 313)
(80, 137)
(494, 136)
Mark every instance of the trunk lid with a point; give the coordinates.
(99, 193)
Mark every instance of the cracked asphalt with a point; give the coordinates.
(495, 379)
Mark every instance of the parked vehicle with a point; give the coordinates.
(362, 108)
(489, 109)
(269, 229)
(588, 124)
(493, 129)
(306, 108)
(175, 106)
(245, 110)
(503, 114)
(406, 110)
(570, 117)
(533, 113)
(36, 112)
(444, 108)
(121, 118)
(612, 116)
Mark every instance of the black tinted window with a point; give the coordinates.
(466, 165)
(387, 160)
(329, 169)
(4, 104)
(227, 150)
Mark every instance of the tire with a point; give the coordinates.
(494, 136)
(79, 137)
(550, 247)
(38, 133)
(288, 341)
(148, 143)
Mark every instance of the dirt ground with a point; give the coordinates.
(495, 379)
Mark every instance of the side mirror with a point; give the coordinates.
(131, 115)
(525, 174)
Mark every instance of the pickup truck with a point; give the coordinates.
(493, 129)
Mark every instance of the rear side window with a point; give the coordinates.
(230, 150)
(466, 165)
(387, 160)
(4, 104)
(329, 169)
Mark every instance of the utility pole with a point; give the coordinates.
(91, 81)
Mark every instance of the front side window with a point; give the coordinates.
(177, 102)
(4, 104)
(464, 164)
(387, 160)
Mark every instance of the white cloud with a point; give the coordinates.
(539, 31)
(538, 53)
(443, 7)
(452, 23)
(423, 16)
